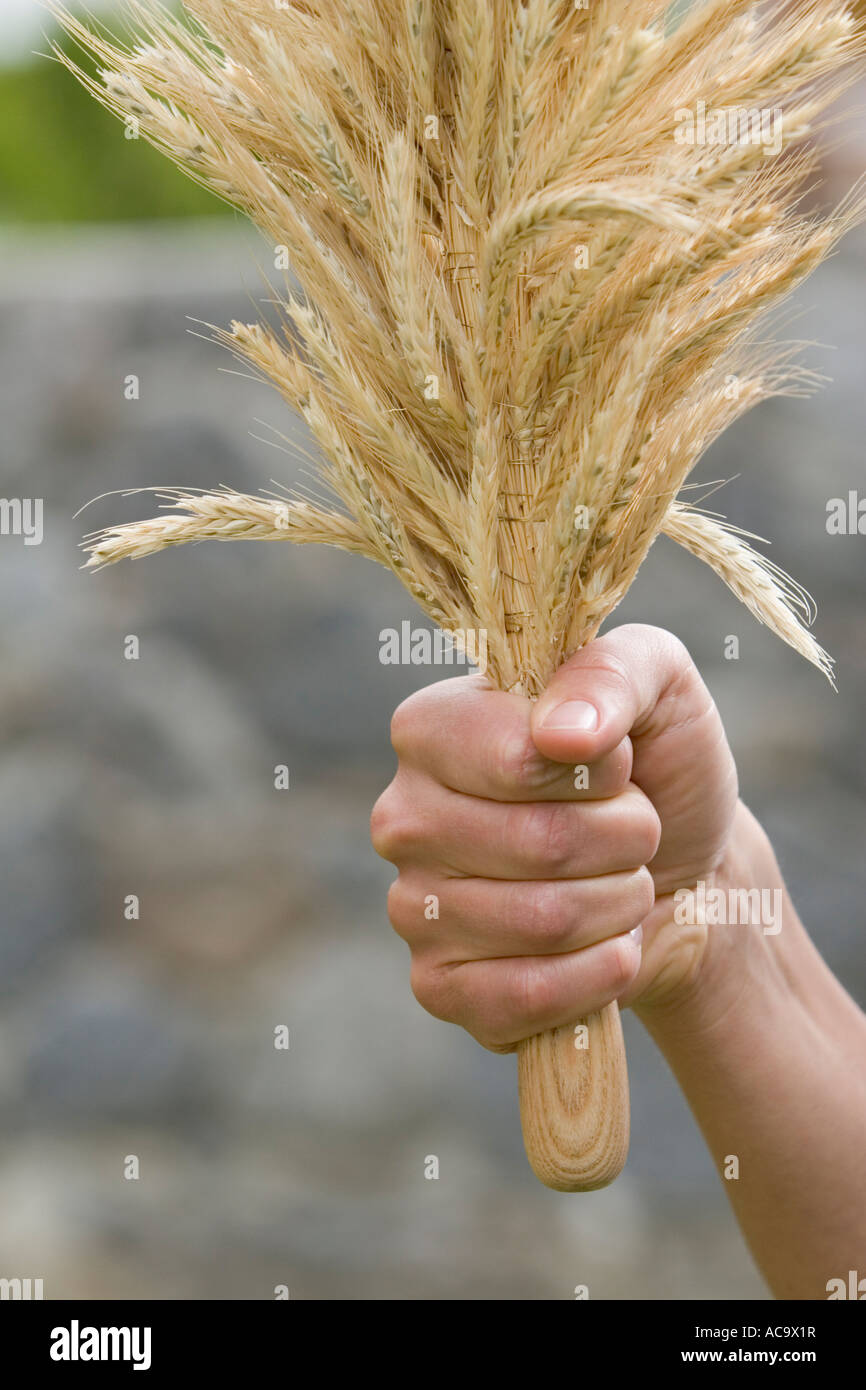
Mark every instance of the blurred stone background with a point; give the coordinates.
(259, 908)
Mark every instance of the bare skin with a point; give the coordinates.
(553, 901)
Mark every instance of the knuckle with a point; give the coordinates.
(611, 667)
(644, 892)
(380, 821)
(683, 682)
(433, 991)
(622, 763)
(393, 828)
(624, 964)
(547, 914)
(548, 836)
(659, 641)
(642, 826)
(402, 913)
(406, 721)
(676, 650)
(518, 767)
(531, 998)
(516, 1008)
(651, 831)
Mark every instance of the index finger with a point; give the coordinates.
(477, 740)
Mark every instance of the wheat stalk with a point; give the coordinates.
(524, 291)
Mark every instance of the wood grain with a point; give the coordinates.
(574, 1104)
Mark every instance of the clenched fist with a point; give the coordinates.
(550, 837)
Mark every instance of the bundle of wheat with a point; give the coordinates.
(533, 237)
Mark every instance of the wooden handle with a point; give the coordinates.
(574, 1102)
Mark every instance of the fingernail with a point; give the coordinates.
(637, 936)
(576, 715)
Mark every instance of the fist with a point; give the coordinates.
(539, 845)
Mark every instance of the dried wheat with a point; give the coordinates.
(525, 287)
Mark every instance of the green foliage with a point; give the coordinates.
(65, 159)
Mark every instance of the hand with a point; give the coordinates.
(525, 885)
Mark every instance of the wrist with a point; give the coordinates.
(754, 946)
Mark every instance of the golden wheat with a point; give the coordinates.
(527, 288)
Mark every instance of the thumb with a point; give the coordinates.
(610, 688)
(640, 681)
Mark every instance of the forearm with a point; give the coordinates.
(770, 1052)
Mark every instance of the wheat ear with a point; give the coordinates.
(770, 594)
